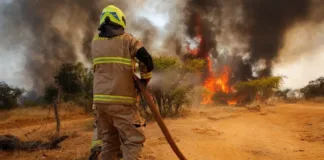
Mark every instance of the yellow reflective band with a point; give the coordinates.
(146, 75)
(97, 37)
(110, 98)
(119, 60)
(96, 143)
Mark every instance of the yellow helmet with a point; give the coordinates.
(114, 14)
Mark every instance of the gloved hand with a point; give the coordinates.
(144, 82)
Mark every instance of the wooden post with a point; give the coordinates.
(57, 118)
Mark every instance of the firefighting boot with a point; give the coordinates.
(95, 151)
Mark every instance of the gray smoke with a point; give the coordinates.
(148, 32)
(52, 32)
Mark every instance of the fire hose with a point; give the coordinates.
(158, 119)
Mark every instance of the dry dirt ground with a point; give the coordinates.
(281, 132)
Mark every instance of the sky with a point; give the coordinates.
(302, 56)
(301, 60)
(304, 69)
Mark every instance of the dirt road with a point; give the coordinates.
(283, 132)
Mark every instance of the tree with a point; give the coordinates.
(283, 93)
(75, 83)
(180, 96)
(314, 88)
(9, 95)
(87, 90)
(70, 78)
(51, 92)
(265, 87)
(87, 84)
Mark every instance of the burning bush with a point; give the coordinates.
(224, 98)
(243, 92)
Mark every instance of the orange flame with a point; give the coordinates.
(216, 84)
(212, 84)
(232, 102)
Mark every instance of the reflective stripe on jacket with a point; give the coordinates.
(141, 69)
(113, 69)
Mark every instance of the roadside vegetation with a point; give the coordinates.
(172, 89)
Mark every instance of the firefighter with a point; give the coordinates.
(113, 52)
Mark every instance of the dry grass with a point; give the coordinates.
(317, 100)
(89, 125)
(295, 127)
(30, 116)
(75, 147)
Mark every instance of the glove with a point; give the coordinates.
(144, 82)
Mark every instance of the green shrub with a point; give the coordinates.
(174, 88)
(266, 87)
(9, 96)
(314, 89)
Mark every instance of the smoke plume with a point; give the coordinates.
(200, 23)
(268, 21)
(52, 32)
(251, 29)
(246, 35)
(148, 32)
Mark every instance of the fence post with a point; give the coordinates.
(57, 118)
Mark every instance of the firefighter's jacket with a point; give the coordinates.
(113, 64)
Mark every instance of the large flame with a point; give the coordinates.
(213, 83)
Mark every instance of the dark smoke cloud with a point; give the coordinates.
(247, 26)
(317, 11)
(202, 20)
(268, 21)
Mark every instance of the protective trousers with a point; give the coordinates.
(95, 141)
(120, 126)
